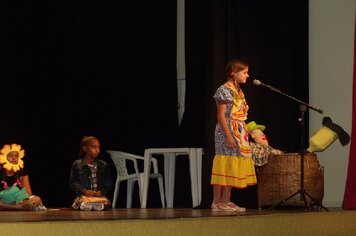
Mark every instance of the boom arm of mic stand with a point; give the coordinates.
(295, 99)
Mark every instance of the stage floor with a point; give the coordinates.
(178, 221)
(65, 214)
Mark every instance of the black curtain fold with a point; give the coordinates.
(103, 68)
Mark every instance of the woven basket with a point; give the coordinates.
(280, 179)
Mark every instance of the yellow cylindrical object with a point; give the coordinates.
(321, 139)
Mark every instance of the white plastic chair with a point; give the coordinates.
(119, 158)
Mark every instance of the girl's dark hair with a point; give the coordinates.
(83, 142)
(235, 65)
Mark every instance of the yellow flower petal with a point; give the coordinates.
(21, 153)
(15, 147)
(7, 166)
(2, 159)
(6, 149)
(15, 168)
(20, 163)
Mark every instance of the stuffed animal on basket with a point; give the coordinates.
(260, 147)
(15, 190)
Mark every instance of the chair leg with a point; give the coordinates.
(130, 187)
(139, 183)
(116, 191)
(161, 190)
(160, 185)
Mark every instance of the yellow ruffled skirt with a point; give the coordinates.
(233, 171)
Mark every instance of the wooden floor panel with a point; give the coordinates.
(134, 213)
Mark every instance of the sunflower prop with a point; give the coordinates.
(3, 157)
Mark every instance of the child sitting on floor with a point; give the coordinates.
(15, 189)
(90, 177)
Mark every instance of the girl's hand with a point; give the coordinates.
(90, 193)
(230, 142)
(98, 194)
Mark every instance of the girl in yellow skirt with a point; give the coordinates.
(233, 166)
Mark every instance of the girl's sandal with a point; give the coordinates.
(235, 207)
(220, 207)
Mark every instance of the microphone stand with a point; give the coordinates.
(302, 192)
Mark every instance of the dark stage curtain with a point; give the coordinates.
(73, 68)
(108, 68)
(349, 201)
(273, 37)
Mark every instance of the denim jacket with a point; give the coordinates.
(80, 175)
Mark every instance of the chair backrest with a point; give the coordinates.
(119, 159)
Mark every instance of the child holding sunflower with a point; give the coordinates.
(15, 189)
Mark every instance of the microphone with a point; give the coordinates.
(257, 83)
